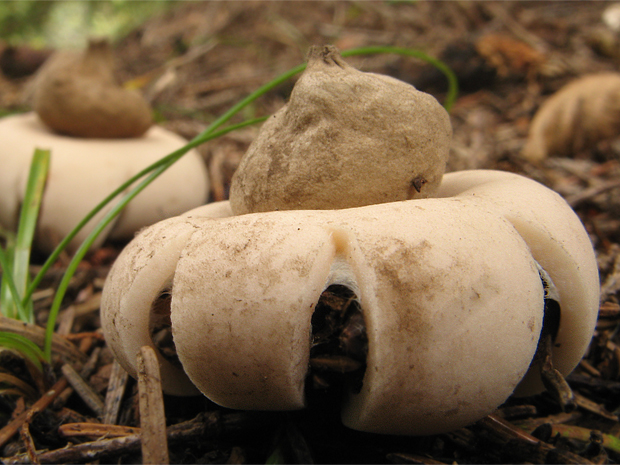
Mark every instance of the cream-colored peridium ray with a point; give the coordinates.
(142, 271)
(558, 242)
(141, 274)
(245, 289)
(449, 290)
(84, 171)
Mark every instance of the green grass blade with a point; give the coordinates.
(24, 346)
(453, 83)
(7, 307)
(15, 259)
(27, 225)
(10, 307)
(200, 139)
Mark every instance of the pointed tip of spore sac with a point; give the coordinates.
(325, 54)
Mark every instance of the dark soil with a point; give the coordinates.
(198, 60)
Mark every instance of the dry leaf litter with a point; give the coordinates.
(200, 58)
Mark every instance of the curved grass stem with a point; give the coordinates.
(160, 166)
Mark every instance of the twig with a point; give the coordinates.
(527, 446)
(91, 364)
(531, 424)
(152, 415)
(588, 368)
(65, 321)
(9, 430)
(553, 379)
(88, 395)
(593, 407)
(609, 310)
(204, 426)
(79, 336)
(516, 411)
(586, 194)
(87, 452)
(609, 442)
(24, 430)
(604, 386)
(114, 395)
(96, 430)
(85, 372)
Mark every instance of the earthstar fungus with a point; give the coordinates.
(449, 289)
(575, 118)
(450, 286)
(100, 135)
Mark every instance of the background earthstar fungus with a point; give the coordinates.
(100, 135)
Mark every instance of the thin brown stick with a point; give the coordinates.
(205, 425)
(553, 379)
(593, 407)
(85, 372)
(87, 452)
(89, 334)
(10, 429)
(83, 389)
(530, 424)
(96, 430)
(24, 430)
(65, 321)
(526, 446)
(609, 310)
(114, 395)
(587, 194)
(152, 415)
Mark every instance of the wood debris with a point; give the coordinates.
(510, 57)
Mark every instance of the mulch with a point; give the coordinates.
(195, 62)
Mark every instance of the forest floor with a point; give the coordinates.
(200, 58)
